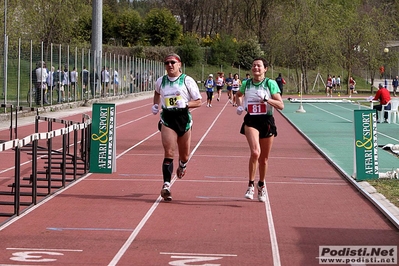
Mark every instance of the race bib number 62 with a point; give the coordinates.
(170, 102)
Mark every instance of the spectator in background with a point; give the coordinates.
(58, 77)
(41, 77)
(334, 83)
(115, 81)
(338, 82)
(93, 82)
(132, 78)
(85, 79)
(280, 82)
(50, 83)
(34, 83)
(66, 82)
(137, 81)
(395, 84)
(382, 71)
(74, 83)
(105, 77)
(384, 97)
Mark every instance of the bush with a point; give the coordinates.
(247, 52)
(190, 51)
(223, 51)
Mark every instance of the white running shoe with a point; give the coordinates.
(261, 193)
(180, 172)
(210, 105)
(165, 192)
(250, 192)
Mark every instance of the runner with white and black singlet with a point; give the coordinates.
(236, 86)
(175, 93)
(220, 81)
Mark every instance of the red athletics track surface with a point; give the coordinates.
(119, 219)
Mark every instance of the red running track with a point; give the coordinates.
(119, 219)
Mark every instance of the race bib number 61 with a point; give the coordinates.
(257, 109)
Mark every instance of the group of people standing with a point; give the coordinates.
(176, 93)
(45, 81)
(64, 81)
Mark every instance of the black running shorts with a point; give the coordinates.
(263, 123)
(177, 119)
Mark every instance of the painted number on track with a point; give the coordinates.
(183, 260)
(187, 259)
(35, 256)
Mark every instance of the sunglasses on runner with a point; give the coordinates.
(170, 62)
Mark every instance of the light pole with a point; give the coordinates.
(386, 51)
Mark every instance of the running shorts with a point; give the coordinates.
(263, 123)
(177, 119)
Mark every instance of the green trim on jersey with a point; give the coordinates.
(179, 80)
(272, 85)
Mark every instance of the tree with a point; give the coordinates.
(223, 51)
(190, 50)
(162, 28)
(129, 27)
(247, 51)
(50, 21)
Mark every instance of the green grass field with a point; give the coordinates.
(388, 188)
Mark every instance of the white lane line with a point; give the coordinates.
(87, 229)
(348, 120)
(197, 254)
(301, 183)
(136, 231)
(272, 231)
(47, 249)
(331, 113)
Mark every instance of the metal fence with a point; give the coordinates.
(34, 75)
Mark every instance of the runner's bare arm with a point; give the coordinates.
(157, 97)
(194, 103)
(276, 101)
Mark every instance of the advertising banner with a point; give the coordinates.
(365, 144)
(103, 139)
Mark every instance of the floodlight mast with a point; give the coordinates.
(96, 37)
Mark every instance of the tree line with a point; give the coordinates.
(300, 34)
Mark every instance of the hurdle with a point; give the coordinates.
(59, 160)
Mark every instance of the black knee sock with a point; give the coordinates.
(167, 169)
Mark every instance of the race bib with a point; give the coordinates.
(257, 109)
(170, 102)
